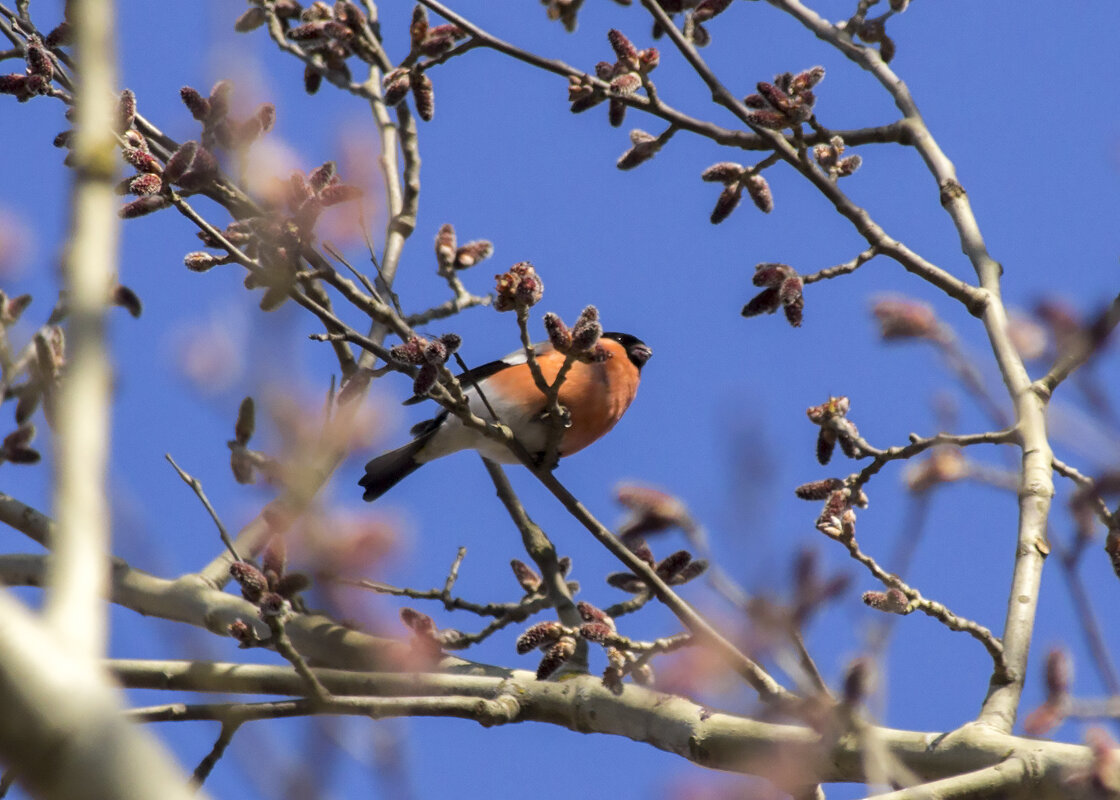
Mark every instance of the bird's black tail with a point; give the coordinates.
(389, 469)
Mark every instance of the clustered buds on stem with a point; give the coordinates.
(452, 256)
(327, 35)
(428, 641)
(785, 103)
(783, 289)
(38, 76)
(892, 601)
(629, 73)
(643, 147)
(518, 289)
(835, 427)
(244, 462)
(675, 569)
(874, 31)
(270, 588)
(735, 178)
(828, 156)
(581, 340)
(429, 354)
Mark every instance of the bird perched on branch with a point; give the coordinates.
(598, 388)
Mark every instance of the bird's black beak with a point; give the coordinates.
(639, 353)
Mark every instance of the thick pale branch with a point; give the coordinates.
(710, 738)
(80, 569)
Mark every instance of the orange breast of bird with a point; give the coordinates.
(596, 394)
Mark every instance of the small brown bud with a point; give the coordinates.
(313, 79)
(587, 330)
(473, 252)
(246, 424)
(144, 205)
(126, 111)
(145, 184)
(616, 112)
(627, 582)
(622, 46)
(142, 160)
(198, 105)
(424, 96)
(892, 601)
(560, 652)
(243, 632)
(901, 318)
(445, 244)
(537, 635)
(818, 490)
(526, 576)
(201, 261)
(61, 36)
(425, 380)
(250, 20)
(252, 580)
(39, 61)
(1059, 674)
(127, 299)
(598, 632)
(728, 200)
(706, 9)
(418, 28)
(759, 191)
(395, 86)
(417, 621)
(723, 172)
(626, 84)
(558, 333)
(859, 681)
(768, 119)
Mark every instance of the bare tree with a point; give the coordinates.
(273, 585)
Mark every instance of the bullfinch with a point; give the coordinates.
(595, 393)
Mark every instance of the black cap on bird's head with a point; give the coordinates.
(637, 350)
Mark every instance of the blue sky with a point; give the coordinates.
(1021, 106)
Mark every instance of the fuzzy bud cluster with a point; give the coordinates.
(38, 76)
(581, 340)
(837, 519)
(520, 288)
(16, 446)
(526, 576)
(785, 103)
(829, 158)
(452, 256)
(429, 354)
(735, 178)
(831, 416)
(268, 587)
(624, 77)
(783, 288)
(892, 601)
(643, 147)
(874, 31)
(675, 569)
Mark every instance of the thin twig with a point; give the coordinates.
(196, 486)
(210, 760)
